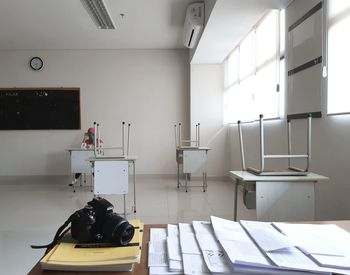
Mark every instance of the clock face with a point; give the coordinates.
(36, 63)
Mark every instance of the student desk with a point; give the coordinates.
(78, 163)
(141, 268)
(192, 160)
(111, 176)
(280, 198)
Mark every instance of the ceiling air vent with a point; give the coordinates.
(99, 13)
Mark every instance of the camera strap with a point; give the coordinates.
(59, 234)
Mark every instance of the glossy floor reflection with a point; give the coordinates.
(33, 208)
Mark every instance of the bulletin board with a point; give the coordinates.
(39, 108)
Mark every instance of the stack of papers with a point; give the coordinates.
(249, 247)
(68, 256)
(280, 248)
(159, 263)
(191, 253)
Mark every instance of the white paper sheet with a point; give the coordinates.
(175, 265)
(173, 230)
(158, 234)
(228, 230)
(202, 227)
(188, 240)
(289, 258)
(185, 228)
(212, 252)
(157, 255)
(157, 270)
(326, 244)
(245, 253)
(205, 236)
(174, 250)
(216, 262)
(323, 239)
(157, 247)
(194, 264)
(266, 236)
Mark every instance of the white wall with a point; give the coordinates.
(148, 88)
(207, 109)
(208, 8)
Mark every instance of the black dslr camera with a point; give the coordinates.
(97, 222)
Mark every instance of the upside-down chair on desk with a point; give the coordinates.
(278, 195)
(111, 171)
(191, 158)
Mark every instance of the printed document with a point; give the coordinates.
(193, 261)
(327, 244)
(212, 252)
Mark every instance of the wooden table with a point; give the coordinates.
(141, 268)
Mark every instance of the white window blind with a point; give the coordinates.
(253, 73)
(338, 90)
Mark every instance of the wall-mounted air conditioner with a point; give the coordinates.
(194, 23)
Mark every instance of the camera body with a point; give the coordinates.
(97, 222)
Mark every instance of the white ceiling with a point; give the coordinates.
(147, 24)
(65, 24)
(229, 22)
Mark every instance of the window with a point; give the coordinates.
(253, 73)
(338, 57)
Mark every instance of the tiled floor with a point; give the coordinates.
(33, 208)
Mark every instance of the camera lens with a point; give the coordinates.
(125, 233)
(118, 230)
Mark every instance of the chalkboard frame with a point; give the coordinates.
(40, 108)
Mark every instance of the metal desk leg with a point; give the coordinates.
(93, 179)
(236, 201)
(134, 180)
(204, 181)
(124, 205)
(73, 182)
(178, 175)
(186, 181)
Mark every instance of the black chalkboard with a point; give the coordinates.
(39, 108)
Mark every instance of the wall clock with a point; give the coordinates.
(36, 63)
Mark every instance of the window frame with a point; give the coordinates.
(277, 58)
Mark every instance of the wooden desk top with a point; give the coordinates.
(142, 268)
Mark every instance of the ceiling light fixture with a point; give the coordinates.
(99, 13)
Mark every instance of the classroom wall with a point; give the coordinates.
(207, 109)
(330, 144)
(148, 88)
(208, 8)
